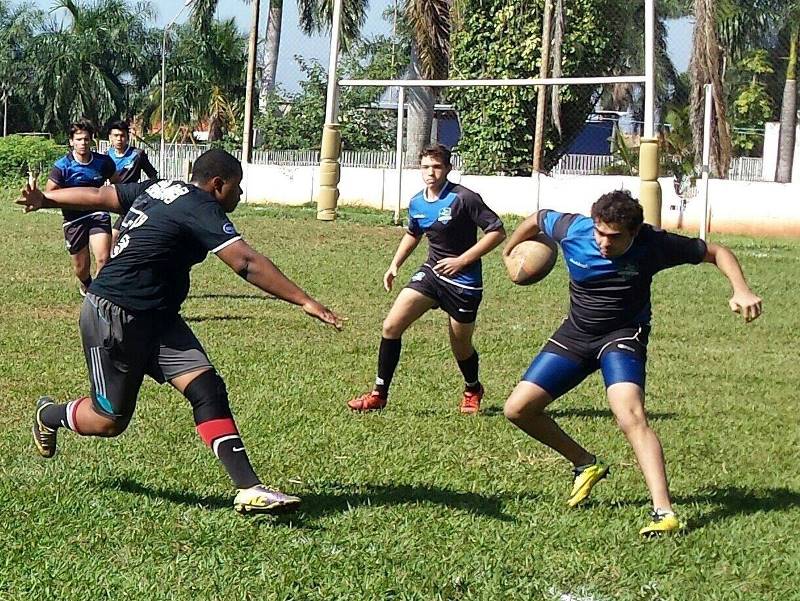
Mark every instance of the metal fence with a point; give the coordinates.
(742, 168)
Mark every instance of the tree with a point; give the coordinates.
(788, 127)
(705, 66)
(203, 88)
(497, 38)
(88, 52)
(16, 31)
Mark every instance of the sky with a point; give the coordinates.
(294, 42)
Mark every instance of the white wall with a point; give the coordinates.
(770, 161)
(765, 208)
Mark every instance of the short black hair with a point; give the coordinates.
(620, 208)
(120, 125)
(216, 163)
(437, 151)
(81, 125)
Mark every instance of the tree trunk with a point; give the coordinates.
(541, 97)
(786, 136)
(705, 66)
(273, 45)
(420, 112)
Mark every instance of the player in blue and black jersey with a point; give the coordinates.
(130, 321)
(84, 229)
(449, 215)
(611, 257)
(130, 162)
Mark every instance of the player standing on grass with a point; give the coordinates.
(451, 278)
(83, 229)
(611, 258)
(129, 161)
(130, 323)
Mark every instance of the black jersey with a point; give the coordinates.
(451, 224)
(610, 293)
(169, 227)
(130, 164)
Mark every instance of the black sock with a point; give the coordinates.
(234, 458)
(87, 282)
(222, 436)
(388, 357)
(61, 416)
(469, 367)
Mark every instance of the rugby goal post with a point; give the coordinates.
(330, 151)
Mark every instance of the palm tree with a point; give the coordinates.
(705, 66)
(788, 127)
(203, 88)
(89, 51)
(16, 31)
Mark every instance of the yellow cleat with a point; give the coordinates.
(585, 481)
(260, 499)
(662, 523)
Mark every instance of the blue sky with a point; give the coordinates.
(294, 42)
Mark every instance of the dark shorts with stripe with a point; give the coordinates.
(572, 354)
(458, 302)
(121, 347)
(76, 233)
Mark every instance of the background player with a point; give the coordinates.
(130, 323)
(129, 161)
(84, 229)
(611, 258)
(451, 278)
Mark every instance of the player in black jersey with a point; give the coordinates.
(612, 258)
(451, 278)
(130, 322)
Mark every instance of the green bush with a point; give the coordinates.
(18, 154)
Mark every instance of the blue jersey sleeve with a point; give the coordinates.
(556, 225)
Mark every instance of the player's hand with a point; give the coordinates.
(321, 312)
(747, 304)
(32, 198)
(449, 266)
(388, 278)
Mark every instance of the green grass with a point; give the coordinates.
(416, 502)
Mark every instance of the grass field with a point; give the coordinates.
(416, 502)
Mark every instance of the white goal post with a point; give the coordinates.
(650, 195)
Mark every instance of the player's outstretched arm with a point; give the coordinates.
(744, 301)
(262, 273)
(407, 245)
(526, 230)
(95, 199)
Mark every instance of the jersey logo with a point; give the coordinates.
(628, 270)
(121, 245)
(445, 215)
(417, 277)
(581, 265)
(625, 347)
(167, 191)
(420, 216)
(228, 228)
(134, 222)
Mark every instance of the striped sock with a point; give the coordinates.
(62, 416)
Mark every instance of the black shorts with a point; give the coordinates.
(572, 342)
(120, 348)
(459, 302)
(77, 232)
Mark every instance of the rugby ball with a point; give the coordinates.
(531, 260)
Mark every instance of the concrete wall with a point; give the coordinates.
(758, 208)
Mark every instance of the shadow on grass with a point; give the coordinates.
(343, 498)
(724, 503)
(202, 318)
(732, 501)
(591, 413)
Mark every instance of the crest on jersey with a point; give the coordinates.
(417, 277)
(445, 215)
(228, 228)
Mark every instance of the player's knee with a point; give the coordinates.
(631, 420)
(208, 396)
(391, 329)
(110, 427)
(519, 408)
